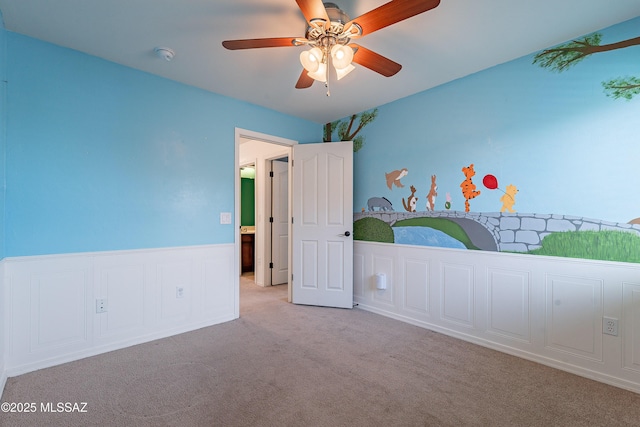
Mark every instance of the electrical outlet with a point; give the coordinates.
(610, 326)
(179, 292)
(101, 305)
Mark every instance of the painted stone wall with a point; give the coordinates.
(508, 232)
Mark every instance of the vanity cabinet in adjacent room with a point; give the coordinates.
(247, 252)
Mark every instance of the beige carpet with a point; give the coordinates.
(287, 365)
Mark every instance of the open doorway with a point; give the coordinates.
(247, 219)
(268, 156)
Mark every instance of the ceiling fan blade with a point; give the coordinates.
(374, 61)
(313, 9)
(304, 81)
(391, 13)
(260, 43)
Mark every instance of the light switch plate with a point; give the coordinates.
(225, 217)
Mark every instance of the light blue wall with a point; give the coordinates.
(568, 147)
(103, 157)
(3, 127)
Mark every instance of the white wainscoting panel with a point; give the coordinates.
(50, 301)
(574, 315)
(416, 295)
(457, 297)
(545, 309)
(629, 326)
(49, 308)
(58, 310)
(359, 281)
(508, 302)
(123, 286)
(216, 299)
(173, 276)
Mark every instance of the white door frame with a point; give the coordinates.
(242, 135)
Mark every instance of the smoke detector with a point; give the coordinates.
(164, 53)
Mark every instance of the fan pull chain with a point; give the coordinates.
(326, 83)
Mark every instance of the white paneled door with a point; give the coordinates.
(322, 255)
(280, 222)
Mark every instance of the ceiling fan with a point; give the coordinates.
(329, 33)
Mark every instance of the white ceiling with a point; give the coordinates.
(456, 39)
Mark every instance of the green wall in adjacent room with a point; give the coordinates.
(247, 202)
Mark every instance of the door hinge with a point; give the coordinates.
(291, 220)
(270, 219)
(292, 277)
(271, 174)
(270, 265)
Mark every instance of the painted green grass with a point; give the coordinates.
(372, 230)
(599, 245)
(446, 226)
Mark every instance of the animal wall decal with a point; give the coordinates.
(410, 205)
(468, 187)
(382, 203)
(431, 196)
(447, 204)
(395, 177)
(509, 199)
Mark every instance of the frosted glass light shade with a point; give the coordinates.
(341, 56)
(320, 74)
(311, 59)
(341, 72)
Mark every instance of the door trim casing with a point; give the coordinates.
(241, 135)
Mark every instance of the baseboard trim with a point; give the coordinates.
(3, 382)
(552, 363)
(95, 351)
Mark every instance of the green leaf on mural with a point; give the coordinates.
(622, 87)
(566, 55)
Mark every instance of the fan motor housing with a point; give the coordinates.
(336, 14)
(334, 34)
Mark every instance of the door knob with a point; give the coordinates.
(347, 234)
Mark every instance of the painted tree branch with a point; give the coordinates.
(344, 128)
(564, 56)
(625, 88)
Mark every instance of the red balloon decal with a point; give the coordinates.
(490, 181)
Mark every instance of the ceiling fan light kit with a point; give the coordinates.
(329, 33)
(320, 74)
(311, 59)
(341, 56)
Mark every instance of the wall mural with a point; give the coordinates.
(498, 205)
(345, 128)
(562, 57)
